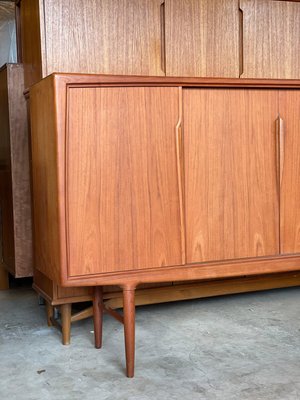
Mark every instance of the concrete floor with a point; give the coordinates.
(236, 347)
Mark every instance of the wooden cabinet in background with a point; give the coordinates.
(130, 37)
(15, 196)
(108, 36)
(271, 39)
(202, 38)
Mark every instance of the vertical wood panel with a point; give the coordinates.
(15, 200)
(46, 196)
(202, 38)
(230, 160)
(271, 39)
(122, 183)
(31, 25)
(7, 225)
(289, 103)
(20, 173)
(107, 36)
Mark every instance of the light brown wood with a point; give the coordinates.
(107, 36)
(202, 38)
(66, 310)
(50, 313)
(128, 216)
(271, 39)
(32, 40)
(15, 196)
(98, 315)
(230, 173)
(45, 182)
(264, 166)
(197, 290)
(83, 314)
(82, 80)
(210, 38)
(129, 329)
(123, 171)
(289, 104)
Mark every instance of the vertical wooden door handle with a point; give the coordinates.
(280, 149)
(162, 37)
(180, 175)
(241, 41)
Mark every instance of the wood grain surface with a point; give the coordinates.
(33, 45)
(230, 173)
(289, 105)
(46, 215)
(108, 36)
(15, 191)
(7, 224)
(202, 38)
(20, 173)
(248, 119)
(122, 185)
(271, 39)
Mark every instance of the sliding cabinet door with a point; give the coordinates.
(124, 206)
(289, 106)
(231, 196)
(271, 39)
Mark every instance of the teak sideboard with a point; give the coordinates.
(141, 180)
(226, 38)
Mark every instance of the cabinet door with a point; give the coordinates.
(289, 103)
(202, 38)
(231, 197)
(108, 36)
(122, 181)
(271, 39)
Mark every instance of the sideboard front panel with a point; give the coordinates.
(230, 173)
(122, 189)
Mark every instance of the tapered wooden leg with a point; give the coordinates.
(129, 329)
(65, 310)
(98, 315)
(50, 313)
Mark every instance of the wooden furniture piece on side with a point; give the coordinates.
(117, 202)
(15, 196)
